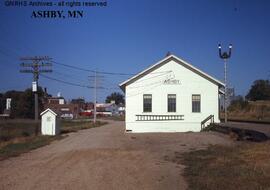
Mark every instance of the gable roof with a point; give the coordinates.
(163, 62)
(48, 110)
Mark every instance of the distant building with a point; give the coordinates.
(107, 108)
(58, 104)
(121, 109)
(88, 106)
(66, 111)
(55, 100)
(86, 109)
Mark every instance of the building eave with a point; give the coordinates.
(164, 61)
(48, 109)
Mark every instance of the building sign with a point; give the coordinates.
(8, 103)
(65, 109)
(34, 86)
(171, 82)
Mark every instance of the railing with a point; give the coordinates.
(159, 117)
(210, 117)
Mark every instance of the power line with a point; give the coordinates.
(72, 84)
(88, 70)
(143, 91)
(14, 35)
(73, 67)
(92, 71)
(109, 73)
(68, 76)
(6, 54)
(65, 82)
(8, 61)
(13, 51)
(103, 72)
(163, 73)
(145, 85)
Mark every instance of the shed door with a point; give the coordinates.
(49, 126)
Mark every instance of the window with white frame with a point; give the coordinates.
(147, 103)
(196, 103)
(171, 102)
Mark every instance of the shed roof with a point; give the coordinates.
(163, 62)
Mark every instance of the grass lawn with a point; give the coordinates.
(115, 118)
(245, 166)
(16, 128)
(15, 149)
(68, 126)
(19, 136)
(246, 117)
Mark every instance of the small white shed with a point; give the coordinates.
(49, 123)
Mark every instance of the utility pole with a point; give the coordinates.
(35, 68)
(96, 78)
(225, 56)
(95, 97)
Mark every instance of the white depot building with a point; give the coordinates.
(170, 96)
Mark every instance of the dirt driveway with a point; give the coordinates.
(106, 158)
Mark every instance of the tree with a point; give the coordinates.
(15, 101)
(238, 104)
(260, 90)
(22, 103)
(117, 97)
(2, 103)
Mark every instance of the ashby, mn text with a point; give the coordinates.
(57, 14)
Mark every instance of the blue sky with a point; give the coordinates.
(128, 36)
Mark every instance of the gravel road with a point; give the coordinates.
(106, 158)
